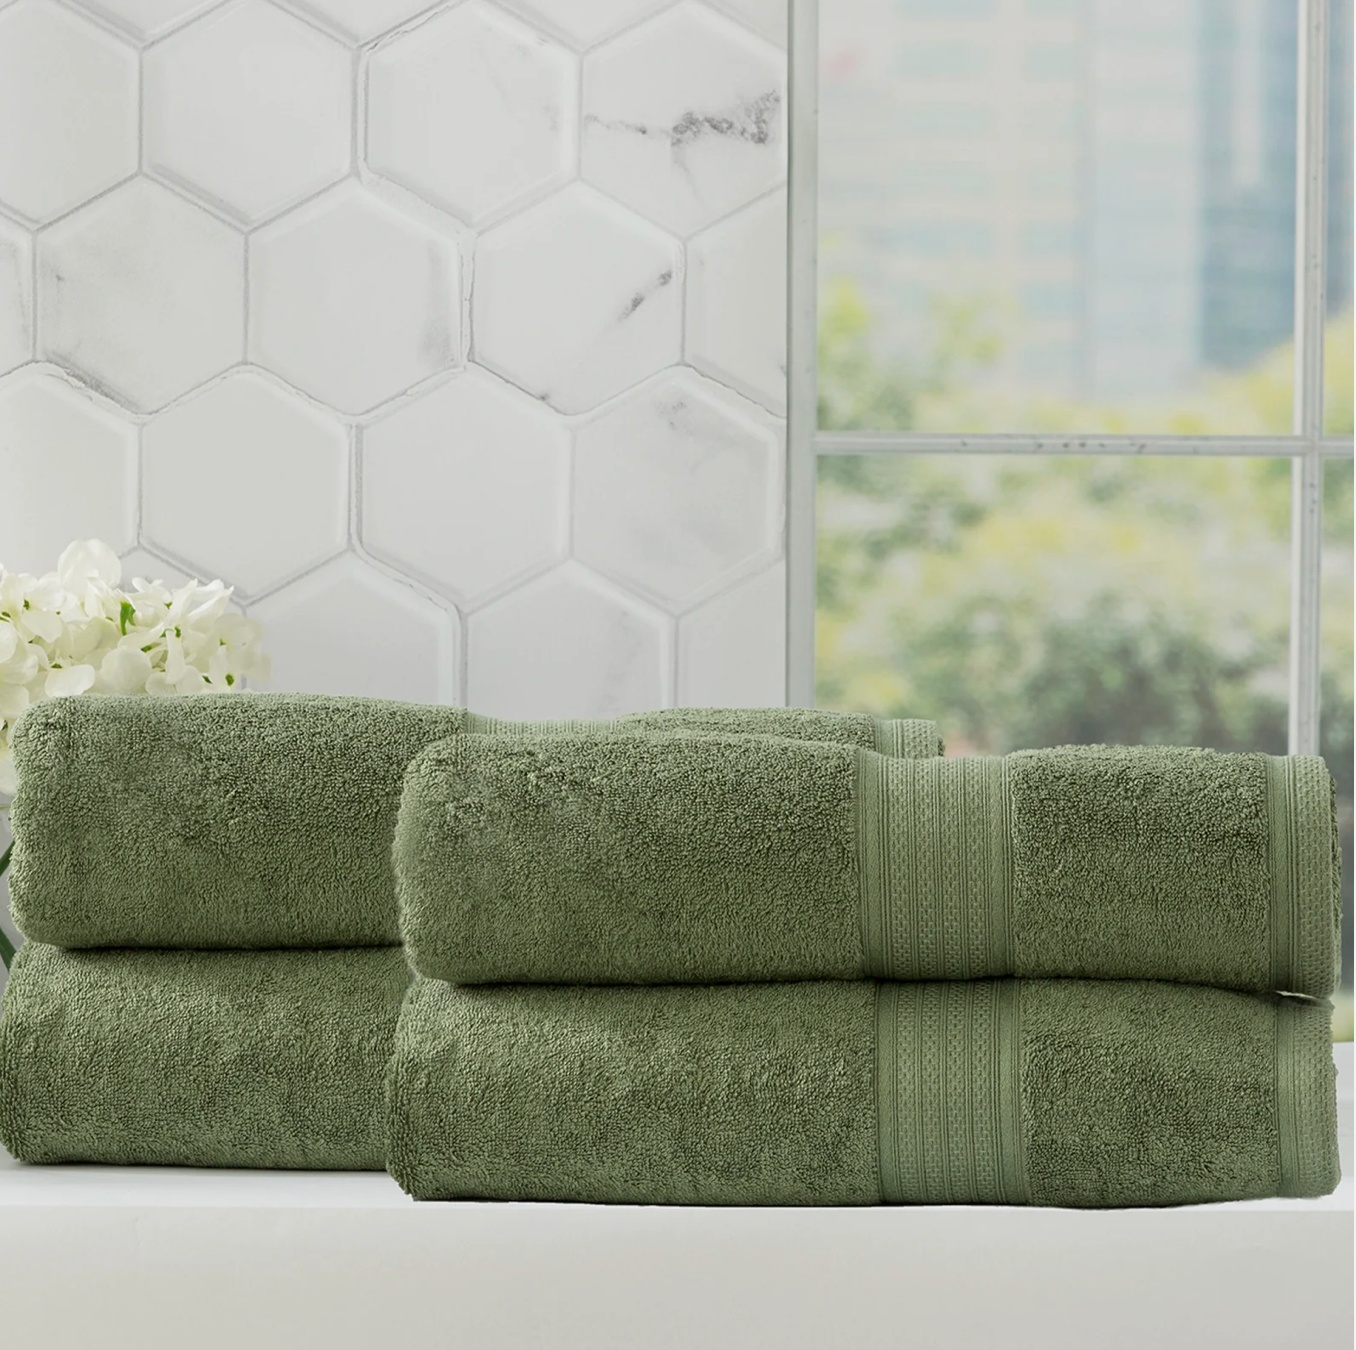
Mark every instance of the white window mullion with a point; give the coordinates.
(802, 366)
(1306, 541)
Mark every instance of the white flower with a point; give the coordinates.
(76, 631)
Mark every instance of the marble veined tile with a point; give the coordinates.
(281, 507)
(677, 490)
(68, 466)
(16, 295)
(142, 292)
(363, 20)
(577, 299)
(736, 301)
(249, 108)
(349, 629)
(683, 118)
(566, 645)
(473, 110)
(584, 22)
(146, 18)
(499, 463)
(353, 301)
(732, 650)
(68, 109)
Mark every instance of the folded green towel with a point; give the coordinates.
(257, 820)
(1059, 1092)
(579, 859)
(199, 1059)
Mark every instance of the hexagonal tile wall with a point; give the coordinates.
(676, 491)
(146, 18)
(347, 629)
(270, 439)
(566, 645)
(362, 20)
(770, 18)
(736, 301)
(504, 462)
(352, 301)
(16, 296)
(142, 292)
(577, 299)
(683, 118)
(63, 75)
(472, 110)
(584, 22)
(68, 464)
(249, 108)
(731, 650)
(141, 562)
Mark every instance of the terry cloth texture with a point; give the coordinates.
(199, 1059)
(671, 859)
(256, 820)
(1058, 1092)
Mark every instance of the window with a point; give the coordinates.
(1071, 354)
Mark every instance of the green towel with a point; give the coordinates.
(199, 1059)
(1060, 1092)
(256, 820)
(579, 859)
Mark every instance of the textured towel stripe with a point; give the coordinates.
(1013, 1188)
(936, 868)
(1287, 1126)
(479, 724)
(909, 737)
(1315, 905)
(1284, 880)
(871, 826)
(941, 1061)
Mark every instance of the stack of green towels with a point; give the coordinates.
(765, 957)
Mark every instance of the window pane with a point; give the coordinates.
(1336, 725)
(1057, 215)
(1026, 601)
(1337, 363)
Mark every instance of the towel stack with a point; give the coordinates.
(770, 957)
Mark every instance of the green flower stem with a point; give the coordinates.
(6, 946)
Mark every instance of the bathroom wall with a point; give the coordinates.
(451, 335)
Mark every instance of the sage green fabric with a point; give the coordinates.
(199, 1059)
(255, 820)
(580, 858)
(1057, 1092)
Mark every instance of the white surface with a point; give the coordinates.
(357, 203)
(151, 1258)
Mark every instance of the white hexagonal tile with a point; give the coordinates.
(362, 20)
(771, 18)
(146, 18)
(683, 118)
(141, 562)
(566, 645)
(677, 491)
(732, 650)
(68, 109)
(250, 108)
(281, 505)
(68, 465)
(347, 629)
(584, 22)
(472, 110)
(352, 301)
(577, 300)
(736, 301)
(143, 292)
(16, 296)
(500, 463)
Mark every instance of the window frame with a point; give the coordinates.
(1306, 446)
